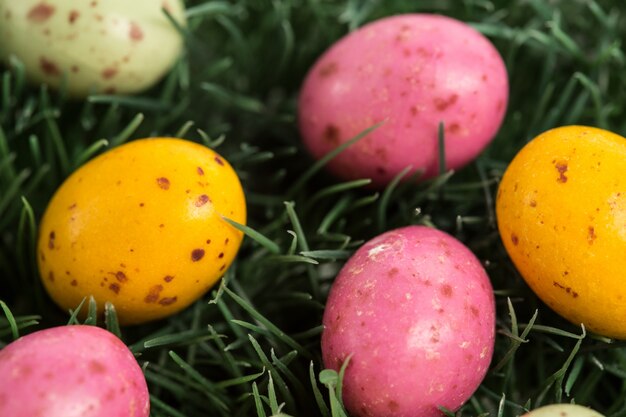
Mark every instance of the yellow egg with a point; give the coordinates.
(94, 46)
(142, 226)
(561, 210)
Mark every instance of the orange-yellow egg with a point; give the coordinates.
(561, 211)
(142, 226)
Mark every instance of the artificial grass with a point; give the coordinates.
(251, 346)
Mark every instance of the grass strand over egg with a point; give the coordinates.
(252, 347)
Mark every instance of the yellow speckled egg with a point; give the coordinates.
(142, 226)
(561, 210)
(100, 46)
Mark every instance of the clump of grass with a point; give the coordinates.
(251, 346)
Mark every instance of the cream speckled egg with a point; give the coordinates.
(563, 410)
(98, 46)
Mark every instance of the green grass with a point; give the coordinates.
(251, 346)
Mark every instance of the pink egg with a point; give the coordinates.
(71, 371)
(411, 72)
(414, 309)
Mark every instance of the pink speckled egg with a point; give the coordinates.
(71, 371)
(411, 72)
(414, 310)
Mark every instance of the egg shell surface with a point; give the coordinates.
(561, 210)
(141, 226)
(71, 371)
(411, 72)
(563, 410)
(95, 46)
(415, 309)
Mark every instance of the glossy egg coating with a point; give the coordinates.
(411, 72)
(71, 371)
(95, 46)
(414, 310)
(561, 210)
(563, 410)
(142, 226)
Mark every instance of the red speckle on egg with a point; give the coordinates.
(135, 32)
(454, 128)
(49, 67)
(109, 73)
(40, 12)
(219, 161)
(74, 14)
(442, 104)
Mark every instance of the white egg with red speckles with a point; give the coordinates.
(92, 46)
(563, 410)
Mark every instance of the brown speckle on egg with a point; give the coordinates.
(200, 171)
(197, 254)
(109, 73)
(51, 238)
(163, 183)
(219, 160)
(168, 278)
(332, 135)
(591, 234)
(202, 200)
(328, 69)
(115, 287)
(40, 12)
(153, 294)
(49, 67)
(51, 276)
(561, 167)
(74, 283)
(165, 301)
(74, 14)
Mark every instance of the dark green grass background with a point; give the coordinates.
(251, 347)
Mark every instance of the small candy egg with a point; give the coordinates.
(411, 72)
(561, 210)
(96, 46)
(414, 310)
(142, 226)
(71, 371)
(563, 410)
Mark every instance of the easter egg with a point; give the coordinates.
(561, 210)
(142, 226)
(94, 46)
(409, 72)
(563, 410)
(413, 310)
(71, 371)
